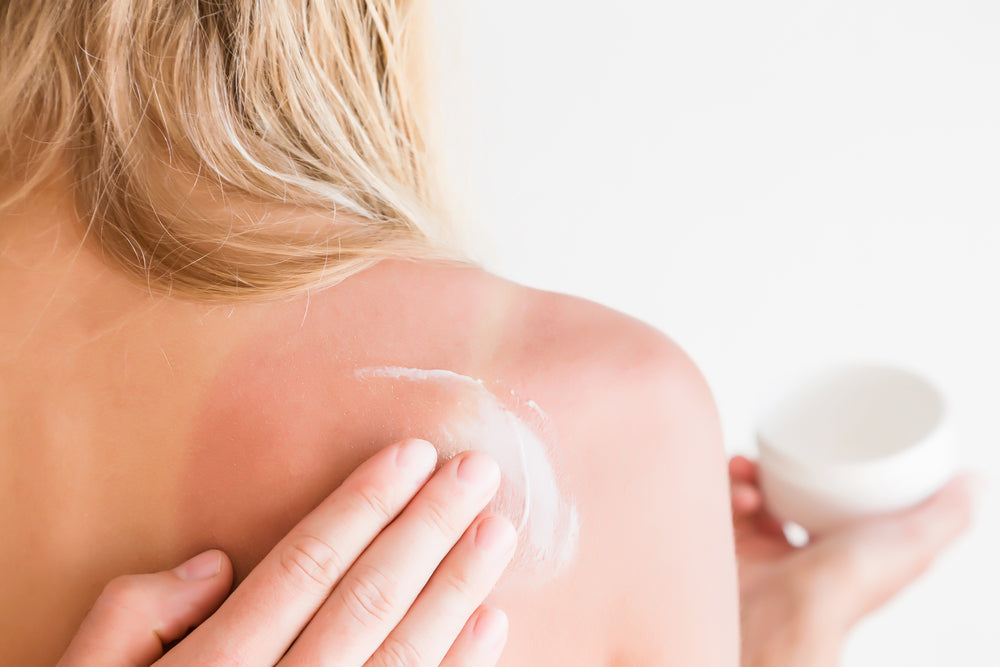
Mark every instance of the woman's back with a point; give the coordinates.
(136, 430)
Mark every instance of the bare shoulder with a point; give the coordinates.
(586, 337)
(642, 446)
(584, 356)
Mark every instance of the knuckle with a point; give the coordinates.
(372, 499)
(125, 597)
(127, 592)
(371, 597)
(399, 652)
(436, 517)
(460, 584)
(311, 564)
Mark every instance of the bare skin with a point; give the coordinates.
(138, 430)
(374, 571)
(798, 603)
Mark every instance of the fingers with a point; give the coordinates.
(458, 587)
(375, 594)
(750, 512)
(866, 564)
(481, 641)
(135, 616)
(744, 494)
(287, 588)
(742, 469)
(745, 498)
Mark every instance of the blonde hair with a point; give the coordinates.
(226, 148)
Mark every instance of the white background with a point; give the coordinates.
(776, 184)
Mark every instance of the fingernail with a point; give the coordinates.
(490, 627)
(495, 534)
(203, 566)
(416, 455)
(478, 469)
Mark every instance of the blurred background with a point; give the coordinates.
(776, 185)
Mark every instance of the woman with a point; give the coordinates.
(226, 284)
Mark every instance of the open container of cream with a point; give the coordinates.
(853, 441)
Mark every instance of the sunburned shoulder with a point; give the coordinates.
(581, 352)
(640, 438)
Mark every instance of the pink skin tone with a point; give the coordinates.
(128, 407)
(799, 603)
(255, 411)
(240, 433)
(319, 608)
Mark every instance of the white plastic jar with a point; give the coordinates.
(853, 441)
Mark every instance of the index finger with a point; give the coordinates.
(291, 583)
(742, 469)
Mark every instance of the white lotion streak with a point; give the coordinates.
(529, 495)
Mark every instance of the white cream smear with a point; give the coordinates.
(546, 520)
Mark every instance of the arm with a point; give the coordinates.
(637, 418)
(677, 529)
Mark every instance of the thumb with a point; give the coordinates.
(867, 563)
(137, 615)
